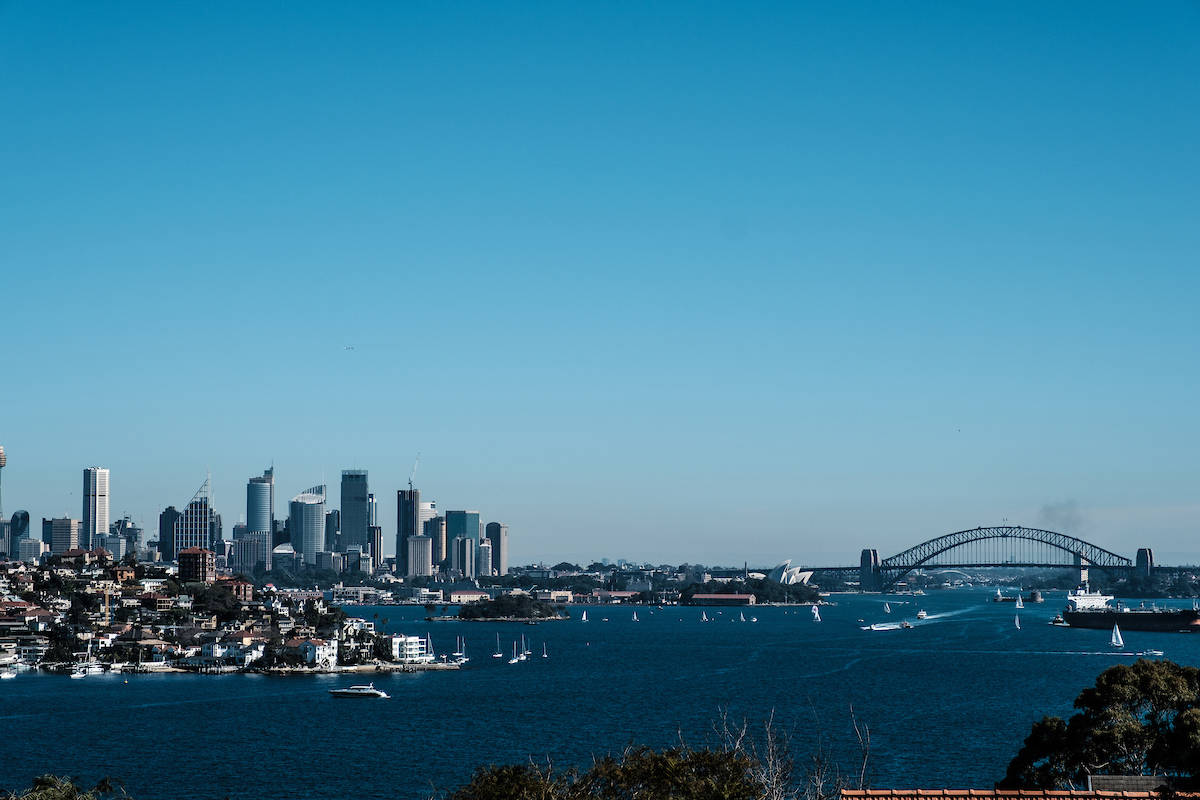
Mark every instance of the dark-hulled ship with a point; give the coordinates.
(1088, 609)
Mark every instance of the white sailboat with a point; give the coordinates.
(1020, 602)
(635, 619)
(1017, 621)
(497, 654)
(584, 617)
(703, 617)
(458, 647)
(816, 614)
(1116, 640)
(514, 659)
(741, 617)
(887, 609)
(544, 654)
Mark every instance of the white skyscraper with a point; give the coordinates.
(95, 506)
(425, 512)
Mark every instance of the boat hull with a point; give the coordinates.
(1174, 621)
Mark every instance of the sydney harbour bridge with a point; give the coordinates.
(999, 546)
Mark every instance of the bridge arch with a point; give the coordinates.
(896, 567)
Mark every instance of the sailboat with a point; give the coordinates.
(887, 609)
(1020, 602)
(521, 656)
(635, 619)
(816, 614)
(458, 647)
(742, 617)
(514, 659)
(1017, 621)
(544, 654)
(1116, 640)
(497, 654)
(584, 617)
(703, 617)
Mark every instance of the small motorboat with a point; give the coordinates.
(921, 614)
(8, 674)
(368, 690)
(1140, 653)
(906, 624)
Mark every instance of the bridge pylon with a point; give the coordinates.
(869, 576)
(1144, 563)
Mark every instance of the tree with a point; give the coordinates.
(1139, 719)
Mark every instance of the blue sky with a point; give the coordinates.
(697, 281)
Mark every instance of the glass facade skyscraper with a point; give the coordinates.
(95, 506)
(306, 523)
(260, 502)
(497, 536)
(408, 524)
(463, 524)
(193, 528)
(356, 510)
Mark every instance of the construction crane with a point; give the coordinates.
(413, 474)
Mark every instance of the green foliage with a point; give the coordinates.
(519, 606)
(1139, 719)
(678, 773)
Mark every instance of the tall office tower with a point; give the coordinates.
(420, 556)
(240, 530)
(193, 528)
(435, 529)
(279, 532)
(464, 524)
(306, 521)
(372, 510)
(260, 502)
(64, 535)
(216, 532)
(408, 517)
(462, 556)
(375, 537)
(333, 525)
(3, 464)
(6, 538)
(483, 559)
(129, 531)
(425, 512)
(166, 533)
(47, 531)
(19, 524)
(497, 535)
(355, 509)
(95, 505)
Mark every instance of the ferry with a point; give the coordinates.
(360, 691)
(1096, 610)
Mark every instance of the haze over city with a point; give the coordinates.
(637, 283)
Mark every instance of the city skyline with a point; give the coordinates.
(643, 282)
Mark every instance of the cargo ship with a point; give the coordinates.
(1088, 609)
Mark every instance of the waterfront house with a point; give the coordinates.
(409, 649)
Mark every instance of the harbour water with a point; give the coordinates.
(948, 702)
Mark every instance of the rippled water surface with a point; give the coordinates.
(947, 702)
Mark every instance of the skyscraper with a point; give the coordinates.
(375, 537)
(193, 528)
(166, 533)
(497, 536)
(372, 510)
(260, 502)
(64, 535)
(420, 556)
(435, 529)
(483, 559)
(333, 525)
(462, 556)
(306, 521)
(426, 511)
(356, 513)
(464, 524)
(95, 505)
(408, 523)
